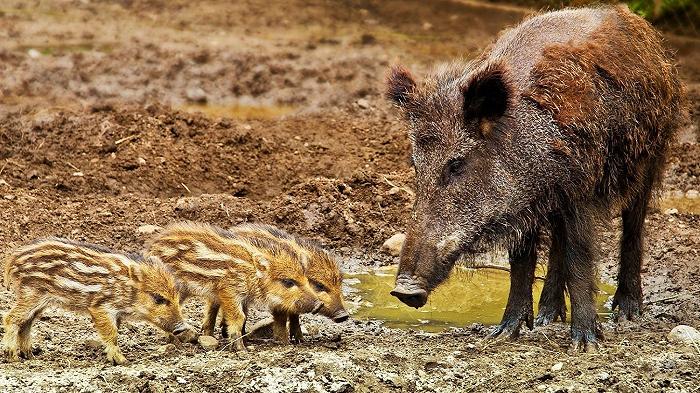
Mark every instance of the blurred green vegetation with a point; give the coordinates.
(655, 9)
(677, 15)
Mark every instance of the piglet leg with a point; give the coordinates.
(106, 326)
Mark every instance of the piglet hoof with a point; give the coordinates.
(627, 308)
(27, 355)
(117, 359)
(12, 355)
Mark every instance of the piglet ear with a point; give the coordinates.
(400, 85)
(488, 94)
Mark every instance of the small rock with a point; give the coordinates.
(9, 197)
(427, 25)
(557, 367)
(692, 194)
(148, 229)
(684, 334)
(196, 94)
(394, 190)
(181, 380)
(78, 174)
(368, 39)
(208, 342)
(167, 348)
(141, 161)
(362, 103)
(94, 344)
(602, 376)
(33, 53)
(671, 211)
(394, 244)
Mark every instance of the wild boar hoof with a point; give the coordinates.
(581, 346)
(628, 308)
(506, 330)
(585, 340)
(549, 314)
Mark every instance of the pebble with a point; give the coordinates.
(33, 53)
(141, 161)
(167, 348)
(671, 211)
(196, 94)
(148, 229)
(684, 334)
(557, 367)
(208, 342)
(603, 376)
(78, 174)
(9, 197)
(692, 194)
(362, 103)
(394, 244)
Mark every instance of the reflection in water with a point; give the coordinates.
(469, 296)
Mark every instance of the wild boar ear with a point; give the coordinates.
(400, 85)
(487, 95)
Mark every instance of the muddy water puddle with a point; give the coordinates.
(240, 111)
(468, 296)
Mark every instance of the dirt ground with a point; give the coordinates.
(98, 137)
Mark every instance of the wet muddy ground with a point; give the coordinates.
(100, 134)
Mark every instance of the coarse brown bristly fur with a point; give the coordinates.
(565, 119)
(90, 279)
(234, 272)
(321, 268)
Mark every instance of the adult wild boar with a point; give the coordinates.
(563, 120)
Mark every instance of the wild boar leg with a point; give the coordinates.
(522, 260)
(209, 322)
(552, 304)
(580, 268)
(234, 315)
(106, 326)
(295, 328)
(18, 324)
(628, 296)
(280, 333)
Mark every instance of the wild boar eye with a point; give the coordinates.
(318, 287)
(454, 168)
(288, 282)
(159, 300)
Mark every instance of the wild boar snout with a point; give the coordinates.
(410, 291)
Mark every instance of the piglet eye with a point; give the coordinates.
(288, 282)
(158, 299)
(318, 287)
